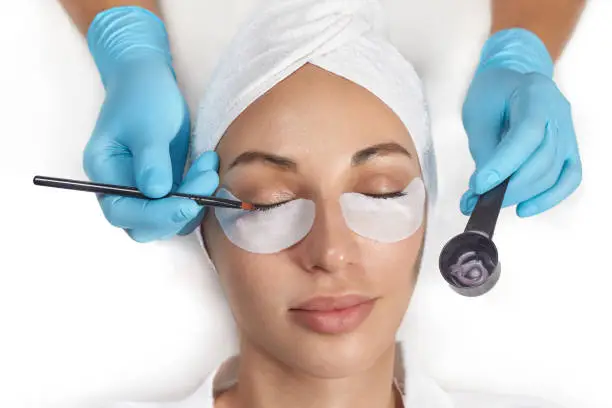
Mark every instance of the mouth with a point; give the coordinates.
(333, 315)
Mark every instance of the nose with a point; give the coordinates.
(330, 246)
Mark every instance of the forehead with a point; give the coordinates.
(313, 115)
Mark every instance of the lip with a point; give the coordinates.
(333, 315)
(330, 303)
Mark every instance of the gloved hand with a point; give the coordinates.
(141, 137)
(513, 92)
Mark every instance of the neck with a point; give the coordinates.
(264, 382)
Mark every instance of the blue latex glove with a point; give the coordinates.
(141, 137)
(513, 90)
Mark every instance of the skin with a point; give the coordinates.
(551, 20)
(281, 363)
(82, 12)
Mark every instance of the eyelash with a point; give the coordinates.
(395, 194)
(268, 207)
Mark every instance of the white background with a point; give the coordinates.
(86, 314)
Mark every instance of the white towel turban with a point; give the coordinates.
(345, 37)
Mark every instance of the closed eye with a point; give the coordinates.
(268, 207)
(395, 194)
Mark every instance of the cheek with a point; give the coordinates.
(395, 265)
(392, 271)
(255, 285)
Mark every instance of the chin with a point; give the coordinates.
(339, 356)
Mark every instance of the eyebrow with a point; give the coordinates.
(287, 164)
(253, 156)
(381, 149)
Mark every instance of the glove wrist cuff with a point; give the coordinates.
(516, 49)
(123, 36)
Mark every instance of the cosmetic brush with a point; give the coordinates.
(125, 191)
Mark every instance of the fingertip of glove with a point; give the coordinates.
(485, 181)
(140, 236)
(212, 178)
(468, 202)
(187, 230)
(204, 183)
(154, 183)
(526, 210)
(208, 160)
(187, 211)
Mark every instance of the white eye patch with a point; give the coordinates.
(385, 220)
(266, 231)
(272, 230)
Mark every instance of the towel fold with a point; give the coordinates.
(345, 37)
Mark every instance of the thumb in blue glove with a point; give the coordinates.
(519, 125)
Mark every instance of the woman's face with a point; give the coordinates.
(317, 136)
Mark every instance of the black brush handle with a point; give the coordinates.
(77, 185)
(125, 191)
(485, 214)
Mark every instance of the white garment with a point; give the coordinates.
(418, 390)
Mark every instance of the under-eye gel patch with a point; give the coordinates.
(271, 230)
(266, 231)
(385, 219)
